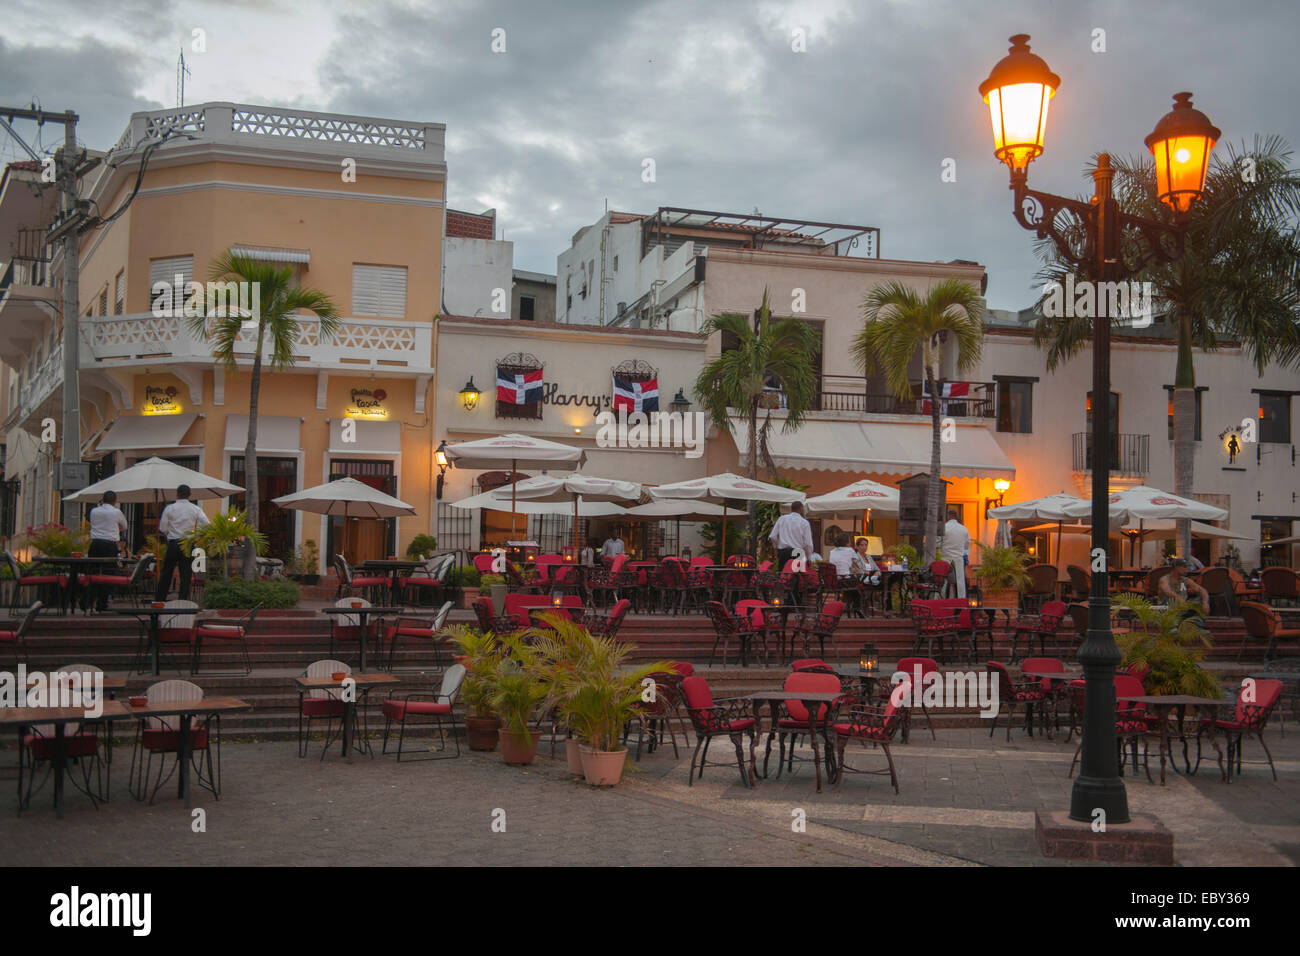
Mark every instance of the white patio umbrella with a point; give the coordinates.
(718, 489)
(586, 509)
(348, 498)
(862, 497)
(540, 453)
(156, 480)
(1166, 530)
(680, 508)
(1049, 508)
(1141, 503)
(573, 488)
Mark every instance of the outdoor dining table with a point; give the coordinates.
(393, 567)
(153, 614)
(1164, 706)
(785, 610)
(187, 710)
(60, 717)
(1128, 577)
(812, 702)
(363, 683)
(362, 613)
(77, 566)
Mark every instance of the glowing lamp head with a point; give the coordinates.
(868, 658)
(1002, 485)
(1018, 92)
(1181, 144)
(469, 395)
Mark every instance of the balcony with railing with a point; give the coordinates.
(845, 393)
(1129, 454)
(387, 344)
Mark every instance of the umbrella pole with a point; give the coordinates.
(514, 478)
(723, 541)
(1058, 547)
(575, 528)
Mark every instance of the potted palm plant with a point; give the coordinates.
(1170, 645)
(559, 649)
(1002, 573)
(481, 654)
(517, 691)
(222, 533)
(603, 697)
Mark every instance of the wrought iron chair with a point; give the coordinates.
(370, 586)
(15, 634)
(235, 631)
(792, 718)
(321, 704)
(81, 747)
(422, 704)
(132, 583)
(1011, 693)
(1249, 718)
(1132, 723)
(857, 720)
(606, 625)
(933, 628)
(489, 620)
(156, 737)
(918, 670)
(419, 630)
(821, 626)
(432, 579)
(1042, 587)
(728, 627)
(55, 585)
(655, 716)
(174, 631)
(1045, 626)
(715, 718)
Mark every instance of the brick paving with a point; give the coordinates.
(965, 799)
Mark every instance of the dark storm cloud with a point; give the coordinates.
(854, 130)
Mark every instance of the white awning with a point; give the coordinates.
(137, 432)
(371, 438)
(271, 253)
(274, 433)
(21, 452)
(883, 448)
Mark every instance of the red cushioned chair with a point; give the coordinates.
(156, 737)
(489, 620)
(607, 625)
(48, 581)
(174, 631)
(932, 584)
(605, 583)
(821, 626)
(432, 578)
(933, 626)
(322, 704)
(420, 630)
(917, 669)
(857, 720)
(369, 586)
(1044, 625)
(436, 706)
(132, 583)
(728, 627)
(815, 664)
(1056, 690)
(14, 635)
(80, 747)
(237, 630)
(1132, 723)
(653, 717)
(792, 718)
(1249, 718)
(1011, 693)
(714, 718)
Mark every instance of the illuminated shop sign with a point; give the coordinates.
(367, 403)
(161, 400)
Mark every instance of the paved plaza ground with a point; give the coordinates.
(965, 800)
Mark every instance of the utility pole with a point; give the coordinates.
(65, 231)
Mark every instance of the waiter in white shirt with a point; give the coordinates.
(178, 520)
(107, 525)
(613, 546)
(791, 531)
(956, 545)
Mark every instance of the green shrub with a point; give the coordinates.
(465, 576)
(421, 545)
(487, 580)
(238, 593)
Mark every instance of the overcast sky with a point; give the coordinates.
(853, 130)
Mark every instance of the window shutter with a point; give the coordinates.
(379, 290)
(166, 270)
(120, 294)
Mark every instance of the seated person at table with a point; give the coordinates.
(1175, 587)
(863, 565)
(588, 556)
(842, 556)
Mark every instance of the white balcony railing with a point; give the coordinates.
(121, 339)
(47, 377)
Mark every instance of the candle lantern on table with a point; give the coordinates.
(869, 659)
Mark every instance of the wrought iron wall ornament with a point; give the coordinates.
(635, 370)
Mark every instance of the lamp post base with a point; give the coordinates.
(1091, 794)
(1142, 840)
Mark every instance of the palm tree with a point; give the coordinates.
(1238, 278)
(765, 350)
(899, 323)
(277, 317)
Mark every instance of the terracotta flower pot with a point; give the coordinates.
(573, 754)
(518, 751)
(602, 768)
(1001, 598)
(481, 733)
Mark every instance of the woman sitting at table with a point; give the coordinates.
(863, 566)
(842, 556)
(1175, 587)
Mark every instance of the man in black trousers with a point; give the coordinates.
(178, 520)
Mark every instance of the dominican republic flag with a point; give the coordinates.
(519, 388)
(636, 396)
(949, 390)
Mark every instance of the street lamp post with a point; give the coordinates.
(1111, 246)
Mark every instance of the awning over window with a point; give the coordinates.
(271, 253)
(372, 438)
(21, 452)
(274, 433)
(133, 432)
(880, 448)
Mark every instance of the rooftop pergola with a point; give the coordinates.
(756, 231)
